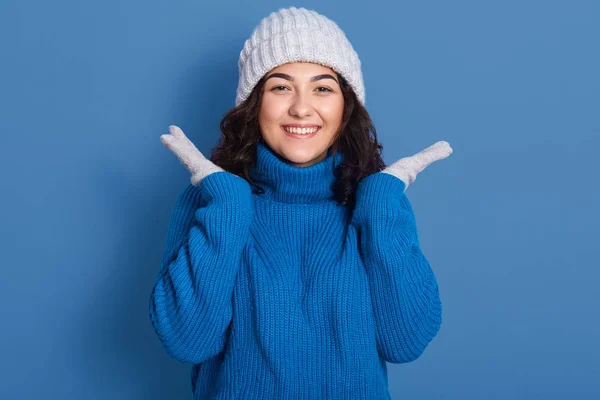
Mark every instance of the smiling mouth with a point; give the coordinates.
(298, 133)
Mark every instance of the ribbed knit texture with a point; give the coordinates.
(284, 294)
(296, 34)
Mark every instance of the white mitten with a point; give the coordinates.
(189, 155)
(407, 168)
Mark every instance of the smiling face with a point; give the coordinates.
(301, 94)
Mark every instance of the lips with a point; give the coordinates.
(301, 125)
(298, 135)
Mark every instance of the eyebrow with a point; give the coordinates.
(291, 78)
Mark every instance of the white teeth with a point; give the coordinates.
(300, 131)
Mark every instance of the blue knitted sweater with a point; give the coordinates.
(287, 295)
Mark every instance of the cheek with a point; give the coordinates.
(333, 112)
(271, 111)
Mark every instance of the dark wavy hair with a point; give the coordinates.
(356, 139)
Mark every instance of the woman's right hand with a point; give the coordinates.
(189, 155)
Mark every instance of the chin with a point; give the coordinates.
(295, 154)
(303, 161)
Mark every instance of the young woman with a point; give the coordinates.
(292, 265)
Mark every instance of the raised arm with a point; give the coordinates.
(191, 303)
(404, 291)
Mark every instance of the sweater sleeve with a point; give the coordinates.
(191, 302)
(404, 291)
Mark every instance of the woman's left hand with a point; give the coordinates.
(407, 168)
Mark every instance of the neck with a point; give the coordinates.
(285, 183)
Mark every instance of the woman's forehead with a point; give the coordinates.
(302, 67)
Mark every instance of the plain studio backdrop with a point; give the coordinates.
(509, 222)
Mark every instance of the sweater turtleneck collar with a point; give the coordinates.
(286, 183)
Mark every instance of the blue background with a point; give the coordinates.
(509, 222)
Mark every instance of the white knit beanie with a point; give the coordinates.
(297, 35)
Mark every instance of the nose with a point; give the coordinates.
(301, 106)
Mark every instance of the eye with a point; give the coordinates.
(326, 89)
